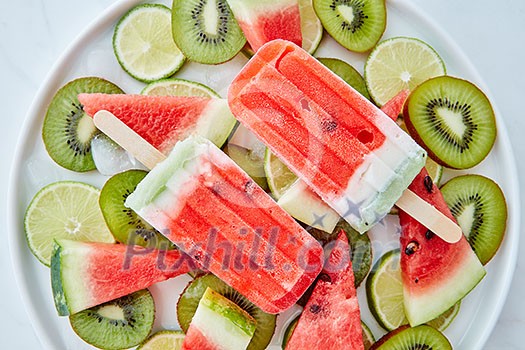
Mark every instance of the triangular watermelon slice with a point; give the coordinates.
(265, 20)
(84, 275)
(436, 274)
(164, 120)
(331, 317)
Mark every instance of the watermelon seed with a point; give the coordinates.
(429, 184)
(429, 234)
(411, 248)
(325, 278)
(315, 309)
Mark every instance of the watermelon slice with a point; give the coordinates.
(164, 120)
(331, 317)
(436, 274)
(394, 107)
(84, 275)
(265, 20)
(219, 324)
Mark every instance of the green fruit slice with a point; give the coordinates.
(355, 24)
(189, 301)
(64, 210)
(384, 291)
(143, 44)
(479, 206)
(279, 177)
(311, 27)
(347, 73)
(398, 64)
(163, 340)
(250, 161)
(67, 131)
(368, 337)
(118, 324)
(178, 87)
(206, 30)
(125, 225)
(453, 120)
(420, 337)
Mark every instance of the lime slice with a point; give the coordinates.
(163, 340)
(400, 63)
(64, 210)
(178, 87)
(445, 319)
(279, 177)
(143, 43)
(311, 27)
(384, 291)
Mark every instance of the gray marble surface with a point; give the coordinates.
(33, 33)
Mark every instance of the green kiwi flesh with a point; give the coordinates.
(355, 24)
(119, 324)
(67, 130)
(348, 73)
(125, 225)
(206, 31)
(418, 338)
(453, 120)
(479, 206)
(189, 300)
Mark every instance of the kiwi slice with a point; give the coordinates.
(453, 120)
(206, 31)
(67, 130)
(347, 73)
(355, 24)
(125, 225)
(479, 206)
(407, 338)
(189, 300)
(118, 324)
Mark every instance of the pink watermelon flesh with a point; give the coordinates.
(262, 23)
(195, 339)
(436, 274)
(394, 106)
(160, 120)
(331, 318)
(88, 274)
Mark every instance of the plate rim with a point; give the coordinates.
(16, 237)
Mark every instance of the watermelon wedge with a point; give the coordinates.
(164, 120)
(265, 20)
(331, 317)
(84, 275)
(436, 274)
(394, 107)
(219, 324)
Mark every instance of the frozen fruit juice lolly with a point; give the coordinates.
(203, 202)
(348, 151)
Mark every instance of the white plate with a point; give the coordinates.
(92, 55)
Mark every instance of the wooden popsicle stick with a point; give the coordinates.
(429, 216)
(128, 139)
(148, 155)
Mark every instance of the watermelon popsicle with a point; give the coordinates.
(342, 146)
(214, 212)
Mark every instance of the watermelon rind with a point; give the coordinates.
(68, 299)
(423, 308)
(223, 322)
